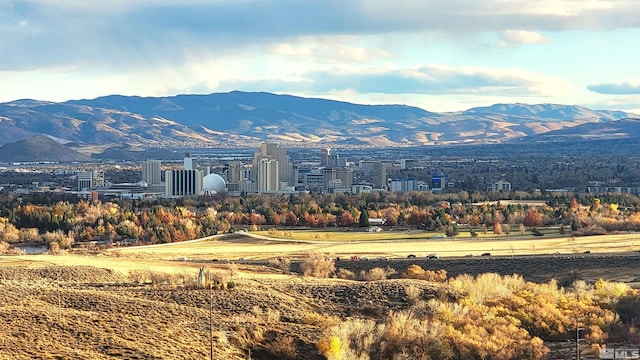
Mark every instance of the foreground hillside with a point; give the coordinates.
(91, 313)
(117, 310)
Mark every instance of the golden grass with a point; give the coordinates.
(258, 246)
(359, 234)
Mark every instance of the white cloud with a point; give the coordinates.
(53, 49)
(131, 33)
(328, 50)
(617, 88)
(433, 79)
(511, 38)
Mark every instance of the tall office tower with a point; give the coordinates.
(235, 172)
(367, 165)
(183, 183)
(268, 170)
(408, 163)
(334, 160)
(278, 153)
(151, 173)
(85, 180)
(189, 162)
(379, 175)
(346, 176)
(404, 185)
(324, 157)
(330, 176)
(88, 180)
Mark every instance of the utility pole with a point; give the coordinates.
(59, 304)
(210, 317)
(578, 328)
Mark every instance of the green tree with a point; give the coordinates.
(364, 218)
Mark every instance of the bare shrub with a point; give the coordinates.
(159, 278)
(54, 249)
(211, 279)
(15, 251)
(317, 265)
(283, 347)
(4, 246)
(29, 235)
(322, 321)
(268, 316)
(7, 249)
(8, 232)
(416, 272)
(281, 263)
(248, 337)
(232, 269)
(353, 339)
(487, 286)
(187, 280)
(138, 276)
(65, 241)
(343, 273)
(413, 292)
(376, 274)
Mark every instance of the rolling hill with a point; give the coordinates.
(39, 148)
(241, 119)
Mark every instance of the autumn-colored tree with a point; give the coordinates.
(497, 228)
(308, 220)
(533, 218)
(574, 205)
(506, 228)
(291, 219)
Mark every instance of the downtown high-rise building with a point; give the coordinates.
(151, 172)
(379, 175)
(183, 183)
(190, 162)
(268, 175)
(89, 180)
(278, 153)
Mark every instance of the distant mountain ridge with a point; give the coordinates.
(241, 119)
(39, 148)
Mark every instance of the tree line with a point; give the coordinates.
(30, 219)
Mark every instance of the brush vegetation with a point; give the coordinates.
(86, 312)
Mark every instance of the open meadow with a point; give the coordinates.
(264, 245)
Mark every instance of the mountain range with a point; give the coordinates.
(242, 119)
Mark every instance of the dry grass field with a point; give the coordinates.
(262, 245)
(144, 302)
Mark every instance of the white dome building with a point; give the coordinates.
(213, 184)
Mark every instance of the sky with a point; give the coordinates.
(440, 55)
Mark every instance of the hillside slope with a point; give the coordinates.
(39, 148)
(241, 119)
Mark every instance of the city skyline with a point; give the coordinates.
(441, 56)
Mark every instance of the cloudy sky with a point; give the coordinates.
(441, 55)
